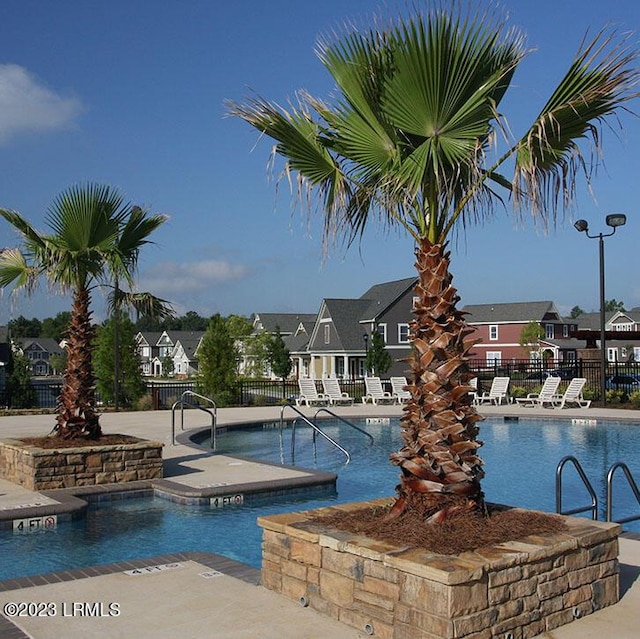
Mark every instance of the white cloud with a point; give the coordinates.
(174, 282)
(26, 105)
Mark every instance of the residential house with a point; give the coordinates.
(147, 349)
(294, 329)
(177, 348)
(44, 354)
(185, 352)
(498, 327)
(338, 343)
(624, 344)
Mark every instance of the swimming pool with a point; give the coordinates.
(520, 462)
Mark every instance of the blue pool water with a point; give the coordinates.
(520, 462)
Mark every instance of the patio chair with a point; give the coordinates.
(309, 394)
(398, 389)
(498, 392)
(548, 394)
(331, 387)
(573, 395)
(375, 393)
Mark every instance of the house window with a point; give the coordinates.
(612, 354)
(414, 302)
(548, 329)
(565, 331)
(493, 332)
(327, 334)
(382, 329)
(636, 354)
(494, 358)
(403, 333)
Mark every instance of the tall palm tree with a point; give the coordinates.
(411, 139)
(94, 240)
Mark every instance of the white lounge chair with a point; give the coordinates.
(498, 392)
(331, 387)
(398, 389)
(375, 393)
(573, 394)
(309, 393)
(548, 394)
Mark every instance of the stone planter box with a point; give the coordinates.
(45, 469)
(511, 590)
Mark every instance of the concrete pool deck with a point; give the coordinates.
(195, 595)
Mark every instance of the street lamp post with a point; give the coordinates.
(614, 221)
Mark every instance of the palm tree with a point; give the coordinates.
(411, 139)
(94, 240)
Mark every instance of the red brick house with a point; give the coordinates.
(499, 328)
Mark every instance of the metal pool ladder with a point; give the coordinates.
(594, 499)
(316, 429)
(182, 402)
(587, 484)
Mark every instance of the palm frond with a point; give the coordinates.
(14, 271)
(142, 303)
(601, 79)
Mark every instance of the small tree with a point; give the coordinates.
(217, 361)
(530, 337)
(56, 327)
(131, 386)
(21, 393)
(613, 306)
(279, 358)
(576, 311)
(378, 360)
(256, 352)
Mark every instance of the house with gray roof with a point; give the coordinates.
(338, 343)
(44, 353)
(498, 329)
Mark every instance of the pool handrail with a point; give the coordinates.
(182, 402)
(632, 485)
(587, 484)
(314, 427)
(345, 421)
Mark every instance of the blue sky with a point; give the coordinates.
(132, 94)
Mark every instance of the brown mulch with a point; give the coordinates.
(79, 442)
(463, 532)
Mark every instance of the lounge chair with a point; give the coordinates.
(331, 387)
(309, 394)
(573, 394)
(375, 393)
(498, 392)
(398, 389)
(548, 394)
(474, 392)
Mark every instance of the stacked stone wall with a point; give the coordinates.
(516, 589)
(45, 469)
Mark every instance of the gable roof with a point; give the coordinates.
(381, 296)
(509, 312)
(287, 322)
(346, 316)
(189, 342)
(46, 344)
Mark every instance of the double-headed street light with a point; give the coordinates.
(614, 221)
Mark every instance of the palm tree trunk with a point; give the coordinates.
(441, 471)
(76, 404)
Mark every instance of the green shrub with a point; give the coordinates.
(145, 403)
(518, 391)
(634, 398)
(616, 397)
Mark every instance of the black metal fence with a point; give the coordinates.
(43, 394)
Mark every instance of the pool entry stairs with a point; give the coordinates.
(593, 506)
(317, 430)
